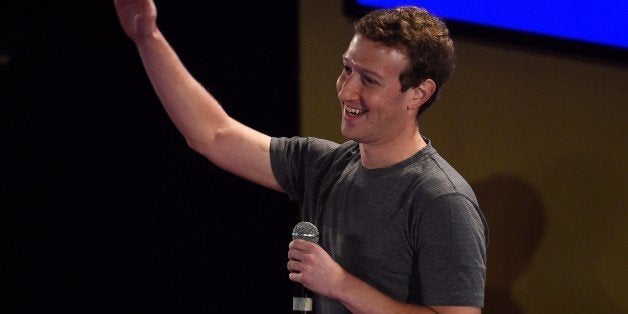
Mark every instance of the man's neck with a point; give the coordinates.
(387, 154)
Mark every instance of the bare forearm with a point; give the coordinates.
(361, 298)
(193, 110)
(201, 119)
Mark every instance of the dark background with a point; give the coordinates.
(103, 207)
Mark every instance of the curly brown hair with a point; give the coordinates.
(423, 37)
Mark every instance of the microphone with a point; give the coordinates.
(301, 301)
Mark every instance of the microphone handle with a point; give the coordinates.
(302, 300)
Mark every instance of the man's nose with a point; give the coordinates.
(348, 88)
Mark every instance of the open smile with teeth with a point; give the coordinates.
(354, 112)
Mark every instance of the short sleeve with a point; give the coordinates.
(452, 242)
(295, 159)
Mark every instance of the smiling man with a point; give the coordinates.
(400, 230)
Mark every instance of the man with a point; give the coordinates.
(400, 229)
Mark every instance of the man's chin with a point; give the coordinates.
(350, 136)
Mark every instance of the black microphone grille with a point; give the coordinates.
(305, 231)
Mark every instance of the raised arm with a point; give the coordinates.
(196, 113)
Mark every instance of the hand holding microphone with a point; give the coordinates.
(302, 299)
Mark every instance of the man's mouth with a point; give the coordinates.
(353, 111)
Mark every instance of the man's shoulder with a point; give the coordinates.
(304, 141)
(437, 177)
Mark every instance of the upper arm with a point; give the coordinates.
(242, 151)
(452, 252)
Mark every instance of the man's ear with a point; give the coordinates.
(422, 93)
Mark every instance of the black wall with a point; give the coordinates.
(103, 207)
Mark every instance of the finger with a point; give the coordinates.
(299, 244)
(295, 254)
(296, 277)
(294, 266)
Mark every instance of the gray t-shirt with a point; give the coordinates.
(413, 230)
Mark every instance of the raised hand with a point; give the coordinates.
(137, 17)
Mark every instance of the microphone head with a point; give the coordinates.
(305, 231)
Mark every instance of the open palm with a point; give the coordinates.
(137, 17)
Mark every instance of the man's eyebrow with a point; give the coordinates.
(360, 68)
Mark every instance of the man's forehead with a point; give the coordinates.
(375, 57)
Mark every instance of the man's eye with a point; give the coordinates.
(369, 80)
(346, 69)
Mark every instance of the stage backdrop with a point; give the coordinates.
(541, 136)
(104, 208)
